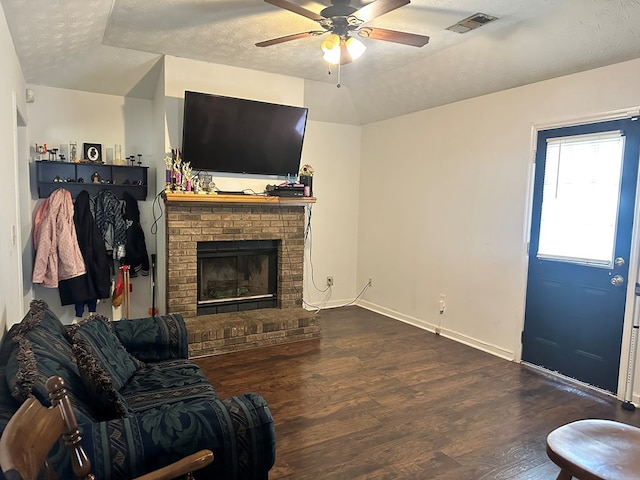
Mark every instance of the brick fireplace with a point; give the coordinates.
(198, 219)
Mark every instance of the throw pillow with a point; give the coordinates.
(103, 362)
(39, 316)
(40, 350)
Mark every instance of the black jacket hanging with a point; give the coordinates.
(108, 214)
(136, 250)
(96, 283)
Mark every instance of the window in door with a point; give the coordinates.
(580, 198)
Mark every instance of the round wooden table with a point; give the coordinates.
(595, 450)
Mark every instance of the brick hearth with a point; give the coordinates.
(218, 218)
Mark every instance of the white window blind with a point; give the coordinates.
(580, 198)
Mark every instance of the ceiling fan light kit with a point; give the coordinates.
(340, 20)
(331, 49)
(355, 47)
(333, 46)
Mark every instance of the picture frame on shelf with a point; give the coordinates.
(92, 152)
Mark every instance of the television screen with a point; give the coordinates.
(234, 135)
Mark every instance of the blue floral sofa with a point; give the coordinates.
(140, 403)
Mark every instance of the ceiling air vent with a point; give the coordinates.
(471, 23)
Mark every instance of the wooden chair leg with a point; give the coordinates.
(564, 475)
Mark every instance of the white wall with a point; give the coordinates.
(59, 116)
(159, 134)
(443, 204)
(333, 150)
(12, 100)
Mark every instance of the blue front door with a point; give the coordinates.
(582, 220)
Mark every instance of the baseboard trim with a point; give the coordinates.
(445, 332)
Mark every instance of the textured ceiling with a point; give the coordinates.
(113, 46)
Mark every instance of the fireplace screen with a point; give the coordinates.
(237, 275)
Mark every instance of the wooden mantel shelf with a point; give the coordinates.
(192, 198)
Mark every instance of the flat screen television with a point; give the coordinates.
(235, 135)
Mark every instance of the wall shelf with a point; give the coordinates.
(76, 177)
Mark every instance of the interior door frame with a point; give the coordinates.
(631, 304)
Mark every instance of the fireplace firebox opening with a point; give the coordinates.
(237, 275)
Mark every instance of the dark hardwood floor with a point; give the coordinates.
(379, 399)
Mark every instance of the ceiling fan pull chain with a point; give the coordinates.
(339, 70)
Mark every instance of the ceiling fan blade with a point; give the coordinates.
(377, 8)
(412, 39)
(288, 38)
(292, 7)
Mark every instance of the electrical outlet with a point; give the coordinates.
(370, 282)
(438, 330)
(329, 281)
(442, 304)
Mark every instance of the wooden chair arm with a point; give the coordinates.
(182, 467)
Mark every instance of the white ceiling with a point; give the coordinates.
(113, 47)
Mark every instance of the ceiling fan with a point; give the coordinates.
(340, 20)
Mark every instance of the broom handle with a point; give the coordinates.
(127, 298)
(153, 284)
